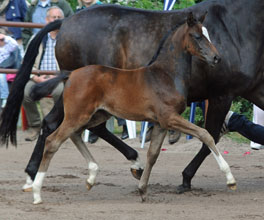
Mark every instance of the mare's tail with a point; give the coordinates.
(43, 89)
(9, 116)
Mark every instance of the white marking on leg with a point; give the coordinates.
(37, 185)
(28, 185)
(206, 34)
(225, 168)
(136, 164)
(93, 170)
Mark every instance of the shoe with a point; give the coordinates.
(33, 134)
(124, 133)
(261, 147)
(224, 129)
(148, 135)
(92, 138)
(174, 136)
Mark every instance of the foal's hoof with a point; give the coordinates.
(182, 189)
(232, 186)
(137, 173)
(27, 188)
(174, 136)
(142, 195)
(88, 186)
(37, 202)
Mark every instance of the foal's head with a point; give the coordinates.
(197, 42)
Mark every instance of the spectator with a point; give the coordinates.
(45, 61)
(258, 118)
(16, 11)
(250, 130)
(82, 4)
(37, 14)
(8, 46)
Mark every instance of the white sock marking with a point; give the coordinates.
(37, 185)
(93, 170)
(28, 184)
(225, 168)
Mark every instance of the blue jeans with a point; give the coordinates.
(4, 92)
(247, 128)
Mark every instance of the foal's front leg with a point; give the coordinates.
(157, 138)
(177, 122)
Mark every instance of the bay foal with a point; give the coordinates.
(154, 93)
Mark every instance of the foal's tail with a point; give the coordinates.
(9, 116)
(43, 89)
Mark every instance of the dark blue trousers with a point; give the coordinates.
(247, 128)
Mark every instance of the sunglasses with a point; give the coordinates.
(2, 39)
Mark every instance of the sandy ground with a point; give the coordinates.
(115, 195)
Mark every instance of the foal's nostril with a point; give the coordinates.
(217, 59)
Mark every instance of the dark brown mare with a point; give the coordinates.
(156, 93)
(127, 38)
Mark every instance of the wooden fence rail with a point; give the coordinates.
(24, 25)
(21, 24)
(36, 72)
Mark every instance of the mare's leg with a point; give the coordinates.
(92, 165)
(217, 111)
(157, 137)
(49, 124)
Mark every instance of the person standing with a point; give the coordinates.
(45, 60)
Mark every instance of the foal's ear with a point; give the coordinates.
(201, 19)
(191, 21)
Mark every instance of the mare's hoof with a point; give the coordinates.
(232, 186)
(182, 189)
(137, 173)
(29, 189)
(88, 186)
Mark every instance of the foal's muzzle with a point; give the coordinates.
(217, 59)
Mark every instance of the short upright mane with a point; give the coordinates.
(163, 40)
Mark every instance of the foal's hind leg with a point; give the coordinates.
(157, 138)
(130, 154)
(52, 145)
(177, 122)
(92, 165)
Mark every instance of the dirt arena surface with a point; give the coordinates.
(115, 194)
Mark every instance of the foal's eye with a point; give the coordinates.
(196, 36)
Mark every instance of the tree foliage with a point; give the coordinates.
(144, 4)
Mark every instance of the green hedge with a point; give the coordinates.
(145, 4)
